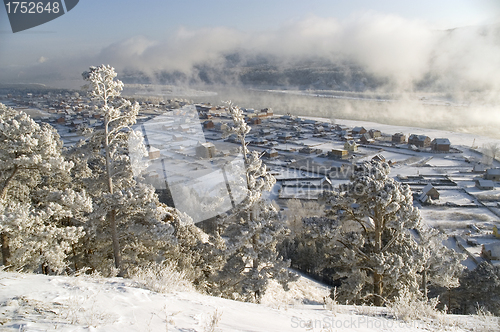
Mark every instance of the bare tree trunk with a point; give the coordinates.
(378, 286)
(255, 266)
(5, 186)
(4, 239)
(112, 213)
(378, 289)
(424, 282)
(116, 244)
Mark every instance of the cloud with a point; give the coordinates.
(405, 54)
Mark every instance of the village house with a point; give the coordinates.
(484, 184)
(309, 122)
(307, 188)
(284, 136)
(492, 174)
(153, 153)
(271, 153)
(375, 133)
(267, 111)
(420, 141)
(428, 192)
(478, 168)
(338, 154)
(255, 121)
(309, 150)
(208, 124)
(221, 126)
(319, 130)
(358, 130)
(205, 150)
(379, 158)
(440, 145)
(259, 141)
(351, 146)
(366, 139)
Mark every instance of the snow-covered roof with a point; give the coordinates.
(418, 137)
(427, 188)
(351, 142)
(441, 141)
(485, 183)
(493, 171)
(423, 198)
(206, 144)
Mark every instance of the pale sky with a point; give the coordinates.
(93, 27)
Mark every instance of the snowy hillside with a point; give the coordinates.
(30, 302)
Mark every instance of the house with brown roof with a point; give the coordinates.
(208, 124)
(366, 139)
(440, 145)
(351, 146)
(375, 133)
(398, 138)
(338, 154)
(271, 153)
(428, 193)
(420, 141)
(358, 130)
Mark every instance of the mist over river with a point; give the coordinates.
(417, 110)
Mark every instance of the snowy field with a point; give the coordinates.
(452, 218)
(56, 303)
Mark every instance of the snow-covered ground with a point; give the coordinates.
(30, 302)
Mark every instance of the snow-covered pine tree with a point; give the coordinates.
(298, 210)
(374, 249)
(479, 289)
(127, 217)
(442, 267)
(303, 251)
(40, 214)
(252, 230)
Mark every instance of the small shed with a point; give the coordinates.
(430, 192)
(271, 153)
(205, 150)
(478, 168)
(208, 124)
(153, 153)
(485, 184)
